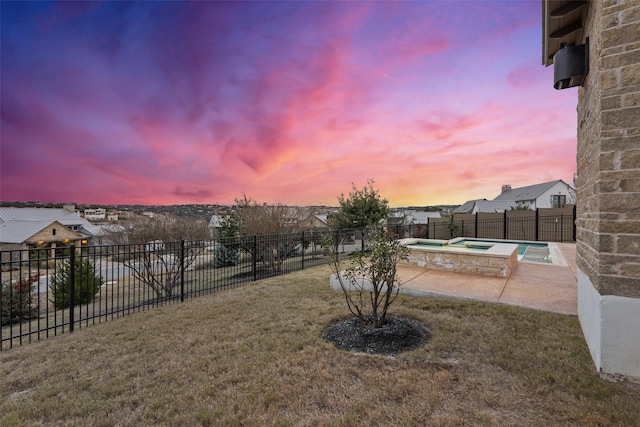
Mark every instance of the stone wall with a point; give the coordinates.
(608, 160)
(47, 234)
(460, 262)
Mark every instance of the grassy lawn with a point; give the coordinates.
(254, 356)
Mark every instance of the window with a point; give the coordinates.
(54, 231)
(558, 201)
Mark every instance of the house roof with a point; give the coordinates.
(530, 192)
(38, 214)
(18, 222)
(20, 231)
(413, 216)
(486, 206)
(322, 217)
(106, 229)
(466, 207)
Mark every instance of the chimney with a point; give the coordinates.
(71, 207)
(506, 187)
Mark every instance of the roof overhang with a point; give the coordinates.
(562, 22)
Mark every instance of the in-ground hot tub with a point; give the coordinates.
(484, 258)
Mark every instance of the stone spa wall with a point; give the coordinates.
(498, 260)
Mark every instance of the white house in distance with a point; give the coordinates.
(552, 194)
(99, 214)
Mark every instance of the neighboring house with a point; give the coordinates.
(215, 224)
(99, 214)
(314, 222)
(116, 215)
(43, 228)
(552, 194)
(109, 234)
(412, 217)
(15, 235)
(484, 205)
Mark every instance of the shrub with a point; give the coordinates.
(18, 301)
(224, 257)
(86, 283)
(372, 272)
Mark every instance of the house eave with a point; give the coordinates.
(562, 22)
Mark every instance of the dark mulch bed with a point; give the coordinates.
(396, 336)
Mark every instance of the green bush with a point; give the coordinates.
(224, 256)
(86, 282)
(18, 301)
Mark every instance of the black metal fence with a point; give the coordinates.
(47, 292)
(548, 225)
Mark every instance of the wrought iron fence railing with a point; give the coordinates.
(47, 292)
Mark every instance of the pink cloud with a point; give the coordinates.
(525, 76)
(201, 101)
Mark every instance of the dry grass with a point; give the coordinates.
(255, 356)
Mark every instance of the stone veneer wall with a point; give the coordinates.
(608, 184)
(478, 263)
(608, 179)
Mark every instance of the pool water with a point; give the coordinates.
(470, 247)
(437, 244)
(522, 246)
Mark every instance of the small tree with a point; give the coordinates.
(362, 209)
(86, 283)
(229, 232)
(371, 272)
(223, 256)
(452, 226)
(155, 254)
(269, 229)
(18, 301)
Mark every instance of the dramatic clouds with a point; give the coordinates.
(198, 102)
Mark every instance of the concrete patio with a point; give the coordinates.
(545, 287)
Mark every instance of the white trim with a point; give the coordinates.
(610, 327)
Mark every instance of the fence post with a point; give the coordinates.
(302, 244)
(476, 226)
(72, 290)
(182, 270)
(537, 236)
(504, 225)
(254, 257)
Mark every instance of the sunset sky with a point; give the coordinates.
(198, 102)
